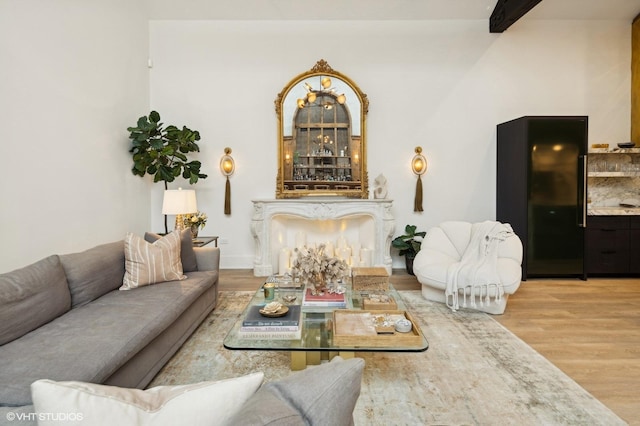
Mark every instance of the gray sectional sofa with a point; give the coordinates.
(63, 318)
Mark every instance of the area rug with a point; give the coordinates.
(475, 372)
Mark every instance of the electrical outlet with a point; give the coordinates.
(224, 241)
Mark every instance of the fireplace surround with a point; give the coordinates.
(278, 224)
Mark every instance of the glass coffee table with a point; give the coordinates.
(316, 341)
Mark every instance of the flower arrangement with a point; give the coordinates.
(313, 265)
(197, 219)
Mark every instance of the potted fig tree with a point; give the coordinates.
(162, 151)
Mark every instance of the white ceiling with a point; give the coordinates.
(383, 9)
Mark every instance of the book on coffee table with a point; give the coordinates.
(329, 300)
(255, 321)
(270, 335)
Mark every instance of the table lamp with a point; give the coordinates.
(179, 202)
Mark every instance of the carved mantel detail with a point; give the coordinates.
(264, 212)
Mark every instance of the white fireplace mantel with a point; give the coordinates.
(274, 221)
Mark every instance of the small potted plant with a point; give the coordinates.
(409, 245)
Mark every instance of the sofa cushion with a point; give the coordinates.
(147, 263)
(326, 394)
(206, 403)
(187, 253)
(91, 342)
(94, 272)
(32, 296)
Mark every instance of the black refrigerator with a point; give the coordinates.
(541, 191)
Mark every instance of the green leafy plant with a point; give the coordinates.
(409, 243)
(161, 152)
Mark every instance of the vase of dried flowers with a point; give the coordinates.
(316, 269)
(318, 283)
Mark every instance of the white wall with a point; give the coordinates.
(73, 77)
(443, 85)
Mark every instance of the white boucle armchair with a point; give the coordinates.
(483, 285)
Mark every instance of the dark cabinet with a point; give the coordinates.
(540, 191)
(613, 245)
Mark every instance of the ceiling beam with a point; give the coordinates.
(507, 12)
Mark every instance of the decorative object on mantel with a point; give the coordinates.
(419, 166)
(161, 152)
(179, 202)
(316, 269)
(195, 221)
(409, 245)
(380, 187)
(227, 166)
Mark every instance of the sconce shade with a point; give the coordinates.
(179, 201)
(326, 82)
(227, 165)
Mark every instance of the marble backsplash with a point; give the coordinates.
(605, 194)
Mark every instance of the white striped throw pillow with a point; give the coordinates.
(147, 263)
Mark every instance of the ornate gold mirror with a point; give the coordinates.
(321, 136)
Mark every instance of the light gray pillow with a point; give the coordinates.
(32, 296)
(187, 254)
(324, 394)
(94, 272)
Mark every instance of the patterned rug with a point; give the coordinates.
(475, 372)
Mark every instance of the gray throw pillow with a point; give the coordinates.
(187, 254)
(324, 394)
(32, 296)
(94, 272)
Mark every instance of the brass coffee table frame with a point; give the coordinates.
(316, 343)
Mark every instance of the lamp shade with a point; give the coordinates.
(179, 201)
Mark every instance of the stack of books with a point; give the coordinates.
(327, 300)
(257, 326)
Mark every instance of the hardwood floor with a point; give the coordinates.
(588, 329)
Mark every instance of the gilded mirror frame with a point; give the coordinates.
(339, 170)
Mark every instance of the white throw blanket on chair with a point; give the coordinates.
(477, 273)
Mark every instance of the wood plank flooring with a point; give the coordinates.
(588, 329)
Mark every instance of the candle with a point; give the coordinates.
(283, 261)
(301, 239)
(344, 253)
(355, 248)
(329, 249)
(342, 242)
(366, 256)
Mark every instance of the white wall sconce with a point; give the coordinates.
(419, 167)
(227, 167)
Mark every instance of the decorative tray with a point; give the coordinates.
(282, 311)
(373, 329)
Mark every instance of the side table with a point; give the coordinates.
(203, 241)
